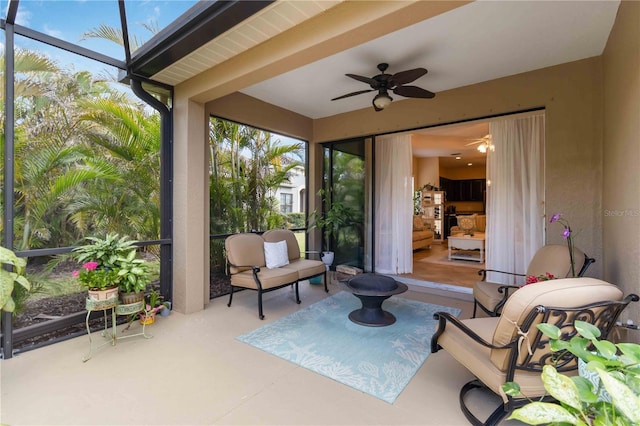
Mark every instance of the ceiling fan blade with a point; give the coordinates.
(473, 143)
(374, 83)
(404, 77)
(359, 92)
(413, 92)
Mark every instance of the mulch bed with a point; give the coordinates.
(46, 309)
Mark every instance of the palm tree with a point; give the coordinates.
(129, 138)
(247, 167)
(50, 164)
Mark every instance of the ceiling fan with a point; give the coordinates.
(396, 83)
(485, 143)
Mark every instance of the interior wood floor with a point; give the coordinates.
(463, 274)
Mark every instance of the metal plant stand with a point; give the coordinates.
(116, 309)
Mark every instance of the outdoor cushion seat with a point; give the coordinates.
(509, 348)
(247, 267)
(552, 258)
(269, 278)
(421, 237)
(306, 268)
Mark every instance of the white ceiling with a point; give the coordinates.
(481, 41)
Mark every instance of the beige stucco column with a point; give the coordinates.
(190, 206)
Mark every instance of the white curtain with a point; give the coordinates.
(515, 195)
(394, 205)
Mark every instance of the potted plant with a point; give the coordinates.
(133, 278)
(110, 263)
(330, 222)
(101, 283)
(614, 368)
(8, 279)
(153, 306)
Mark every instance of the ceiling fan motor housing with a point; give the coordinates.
(384, 82)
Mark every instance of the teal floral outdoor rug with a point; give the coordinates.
(379, 361)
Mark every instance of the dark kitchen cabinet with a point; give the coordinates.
(450, 187)
(478, 187)
(464, 189)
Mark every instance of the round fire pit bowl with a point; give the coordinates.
(372, 290)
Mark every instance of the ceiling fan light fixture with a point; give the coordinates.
(482, 147)
(381, 101)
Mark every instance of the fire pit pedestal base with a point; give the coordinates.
(372, 290)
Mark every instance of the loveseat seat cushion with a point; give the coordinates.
(306, 268)
(269, 278)
(422, 235)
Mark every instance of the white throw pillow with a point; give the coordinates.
(276, 254)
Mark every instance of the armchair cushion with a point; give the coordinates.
(568, 293)
(552, 258)
(418, 224)
(497, 350)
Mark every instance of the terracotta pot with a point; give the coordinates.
(105, 294)
(131, 297)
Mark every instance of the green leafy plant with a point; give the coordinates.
(8, 279)
(111, 261)
(579, 400)
(105, 251)
(94, 278)
(133, 273)
(154, 303)
(337, 216)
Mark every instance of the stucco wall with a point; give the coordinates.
(428, 171)
(471, 172)
(621, 154)
(572, 97)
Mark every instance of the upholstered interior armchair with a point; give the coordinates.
(553, 259)
(508, 348)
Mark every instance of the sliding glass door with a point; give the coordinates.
(345, 184)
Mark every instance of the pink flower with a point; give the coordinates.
(75, 274)
(554, 218)
(566, 233)
(90, 266)
(531, 279)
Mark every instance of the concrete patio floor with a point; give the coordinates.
(193, 371)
